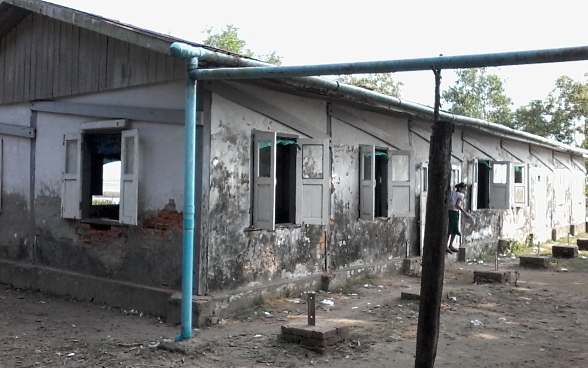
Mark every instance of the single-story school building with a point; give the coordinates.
(298, 180)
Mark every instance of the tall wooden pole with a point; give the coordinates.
(435, 237)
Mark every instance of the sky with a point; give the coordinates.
(328, 31)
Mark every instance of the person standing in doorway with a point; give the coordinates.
(456, 200)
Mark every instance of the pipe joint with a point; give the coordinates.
(185, 51)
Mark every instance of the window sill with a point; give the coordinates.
(100, 221)
(277, 227)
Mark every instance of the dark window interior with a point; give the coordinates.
(101, 149)
(484, 184)
(381, 189)
(285, 181)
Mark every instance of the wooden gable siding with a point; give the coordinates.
(43, 58)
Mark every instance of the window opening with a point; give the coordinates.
(286, 150)
(484, 168)
(381, 188)
(103, 178)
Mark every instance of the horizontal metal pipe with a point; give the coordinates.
(358, 94)
(388, 66)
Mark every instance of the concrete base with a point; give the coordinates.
(318, 337)
(492, 276)
(166, 303)
(534, 262)
(149, 300)
(582, 244)
(412, 266)
(564, 251)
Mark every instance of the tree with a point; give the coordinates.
(562, 116)
(379, 82)
(228, 39)
(479, 95)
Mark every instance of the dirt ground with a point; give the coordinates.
(542, 320)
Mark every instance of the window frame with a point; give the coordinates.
(75, 195)
(312, 195)
(501, 195)
(400, 193)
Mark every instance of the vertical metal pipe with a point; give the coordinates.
(189, 208)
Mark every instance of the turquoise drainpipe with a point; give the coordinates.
(189, 208)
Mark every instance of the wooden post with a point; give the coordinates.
(435, 237)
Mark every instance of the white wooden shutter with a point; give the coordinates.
(500, 184)
(71, 188)
(367, 182)
(264, 180)
(401, 184)
(520, 185)
(424, 177)
(129, 177)
(312, 182)
(474, 190)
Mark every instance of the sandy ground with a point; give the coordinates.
(540, 321)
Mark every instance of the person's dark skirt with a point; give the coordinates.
(453, 223)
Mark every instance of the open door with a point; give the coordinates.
(312, 166)
(129, 178)
(264, 180)
(500, 185)
(71, 190)
(367, 182)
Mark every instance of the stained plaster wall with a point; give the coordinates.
(542, 214)
(130, 253)
(355, 241)
(15, 216)
(239, 255)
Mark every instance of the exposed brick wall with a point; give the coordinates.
(92, 235)
(168, 218)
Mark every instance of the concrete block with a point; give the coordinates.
(534, 262)
(322, 335)
(412, 266)
(462, 256)
(201, 315)
(582, 244)
(410, 296)
(564, 251)
(492, 276)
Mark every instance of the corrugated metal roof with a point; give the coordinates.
(13, 12)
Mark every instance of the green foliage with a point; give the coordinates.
(228, 39)
(378, 82)
(563, 115)
(479, 95)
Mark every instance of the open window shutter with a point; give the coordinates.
(312, 183)
(264, 180)
(474, 190)
(500, 184)
(401, 184)
(71, 182)
(520, 180)
(129, 177)
(423, 202)
(367, 183)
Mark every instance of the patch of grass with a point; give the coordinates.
(570, 264)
